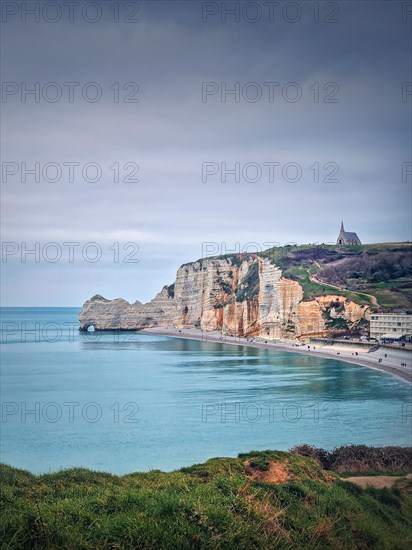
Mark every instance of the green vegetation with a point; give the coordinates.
(312, 289)
(300, 273)
(226, 287)
(377, 275)
(394, 293)
(360, 458)
(171, 291)
(337, 324)
(383, 271)
(236, 259)
(248, 288)
(264, 500)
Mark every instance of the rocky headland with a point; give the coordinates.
(240, 295)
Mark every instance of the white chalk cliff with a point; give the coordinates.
(239, 295)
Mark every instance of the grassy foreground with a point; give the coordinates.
(266, 499)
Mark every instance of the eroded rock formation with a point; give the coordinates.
(240, 295)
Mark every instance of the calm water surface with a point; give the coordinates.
(123, 402)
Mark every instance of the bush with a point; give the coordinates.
(359, 458)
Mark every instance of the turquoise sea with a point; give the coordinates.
(125, 401)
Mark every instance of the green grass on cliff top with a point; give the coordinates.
(298, 261)
(221, 504)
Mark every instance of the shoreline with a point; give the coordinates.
(390, 364)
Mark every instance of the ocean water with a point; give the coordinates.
(124, 402)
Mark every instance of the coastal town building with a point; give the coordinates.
(347, 237)
(390, 326)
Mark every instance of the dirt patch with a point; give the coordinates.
(379, 482)
(277, 472)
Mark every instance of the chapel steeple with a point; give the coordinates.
(347, 237)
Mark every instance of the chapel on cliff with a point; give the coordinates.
(347, 237)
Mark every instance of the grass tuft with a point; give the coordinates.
(225, 503)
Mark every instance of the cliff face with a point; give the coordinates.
(327, 313)
(238, 295)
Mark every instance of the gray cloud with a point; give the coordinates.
(170, 212)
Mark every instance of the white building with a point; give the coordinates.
(390, 325)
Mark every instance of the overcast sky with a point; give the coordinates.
(323, 106)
